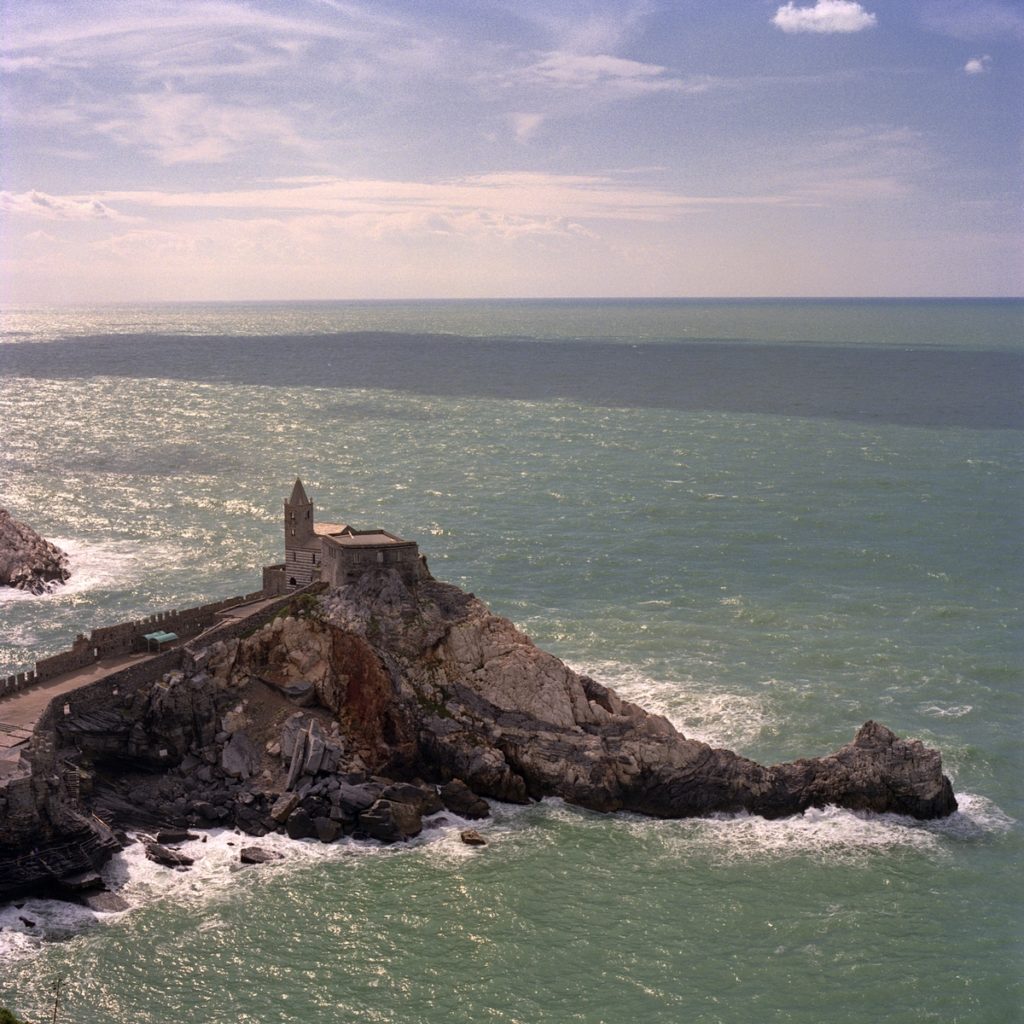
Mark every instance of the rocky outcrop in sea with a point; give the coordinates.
(27, 561)
(384, 703)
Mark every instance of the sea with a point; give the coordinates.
(769, 521)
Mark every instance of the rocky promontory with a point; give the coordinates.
(27, 561)
(374, 706)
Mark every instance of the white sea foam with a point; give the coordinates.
(27, 924)
(829, 835)
(214, 876)
(946, 710)
(94, 566)
(696, 709)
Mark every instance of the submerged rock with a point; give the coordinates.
(27, 561)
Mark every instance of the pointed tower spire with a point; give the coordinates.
(299, 494)
(298, 518)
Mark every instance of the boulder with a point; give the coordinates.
(257, 855)
(461, 800)
(240, 758)
(424, 798)
(391, 822)
(300, 825)
(170, 836)
(167, 857)
(471, 837)
(283, 807)
(354, 799)
(327, 830)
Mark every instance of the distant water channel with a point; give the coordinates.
(769, 521)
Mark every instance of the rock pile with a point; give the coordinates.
(27, 561)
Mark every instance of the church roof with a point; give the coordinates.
(298, 494)
(330, 529)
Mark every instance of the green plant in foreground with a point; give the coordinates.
(6, 1017)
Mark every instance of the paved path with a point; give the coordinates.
(20, 712)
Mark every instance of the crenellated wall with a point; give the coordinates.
(119, 639)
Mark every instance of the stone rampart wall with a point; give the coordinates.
(121, 638)
(126, 681)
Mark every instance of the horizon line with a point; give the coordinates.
(509, 298)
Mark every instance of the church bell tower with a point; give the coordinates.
(298, 518)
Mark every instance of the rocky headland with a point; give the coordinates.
(28, 561)
(369, 708)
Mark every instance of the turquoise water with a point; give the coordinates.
(800, 516)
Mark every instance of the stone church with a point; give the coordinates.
(334, 552)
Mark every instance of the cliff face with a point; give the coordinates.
(479, 701)
(27, 561)
(385, 701)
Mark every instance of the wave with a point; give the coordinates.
(110, 565)
(697, 709)
(216, 874)
(828, 836)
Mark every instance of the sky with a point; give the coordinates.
(162, 150)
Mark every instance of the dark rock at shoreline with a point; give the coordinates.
(461, 800)
(27, 561)
(257, 855)
(171, 836)
(167, 857)
(424, 699)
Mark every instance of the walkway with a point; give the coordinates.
(20, 712)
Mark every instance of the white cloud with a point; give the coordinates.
(978, 65)
(192, 128)
(40, 204)
(515, 195)
(525, 125)
(608, 75)
(826, 16)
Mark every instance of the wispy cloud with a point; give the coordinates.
(511, 194)
(525, 125)
(978, 65)
(607, 74)
(193, 128)
(975, 19)
(826, 16)
(40, 204)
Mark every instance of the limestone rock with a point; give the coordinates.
(240, 758)
(471, 837)
(446, 687)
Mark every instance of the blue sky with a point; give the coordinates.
(317, 149)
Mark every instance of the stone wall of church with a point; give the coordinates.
(344, 565)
